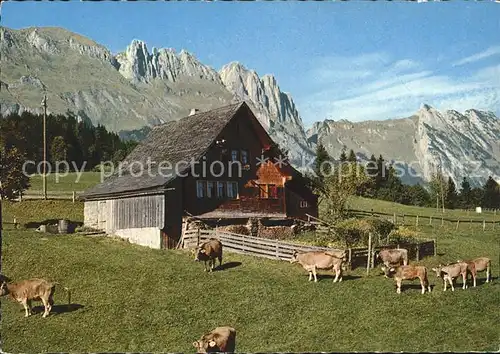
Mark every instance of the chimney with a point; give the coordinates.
(194, 111)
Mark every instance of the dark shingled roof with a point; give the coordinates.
(172, 142)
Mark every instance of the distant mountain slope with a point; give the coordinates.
(461, 144)
(132, 89)
(136, 89)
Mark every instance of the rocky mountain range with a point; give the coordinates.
(136, 89)
(455, 144)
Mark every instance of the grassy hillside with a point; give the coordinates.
(381, 206)
(69, 183)
(131, 298)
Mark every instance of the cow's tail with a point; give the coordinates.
(68, 290)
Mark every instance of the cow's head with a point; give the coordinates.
(438, 270)
(205, 346)
(3, 289)
(294, 257)
(388, 271)
(199, 254)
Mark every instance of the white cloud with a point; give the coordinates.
(491, 51)
(374, 87)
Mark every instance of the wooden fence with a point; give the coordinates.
(280, 250)
(60, 195)
(432, 220)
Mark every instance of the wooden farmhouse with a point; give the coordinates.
(215, 165)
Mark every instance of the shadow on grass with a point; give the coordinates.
(330, 277)
(228, 265)
(482, 281)
(407, 287)
(72, 225)
(58, 309)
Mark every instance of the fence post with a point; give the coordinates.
(15, 223)
(403, 222)
(276, 250)
(417, 254)
(394, 218)
(458, 223)
(74, 196)
(430, 220)
(20, 196)
(484, 225)
(470, 224)
(416, 222)
(369, 253)
(350, 258)
(435, 247)
(198, 237)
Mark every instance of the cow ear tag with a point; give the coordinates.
(211, 343)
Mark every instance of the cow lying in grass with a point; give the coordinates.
(408, 272)
(33, 289)
(221, 339)
(209, 251)
(450, 272)
(480, 264)
(312, 261)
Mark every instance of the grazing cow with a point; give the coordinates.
(209, 251)
(408, 272)
(479, 265)
(450, 272)
(312, 261)
(392, 257)
(33, 289)
(221, 339)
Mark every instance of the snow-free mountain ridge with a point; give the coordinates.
(140, 88)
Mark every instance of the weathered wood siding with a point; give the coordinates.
(90, 214)
(135, 212)
(174, 211)
(297, 197)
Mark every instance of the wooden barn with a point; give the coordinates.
(215, 165)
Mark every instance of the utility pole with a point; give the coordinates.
(44, 175)
(442, 186)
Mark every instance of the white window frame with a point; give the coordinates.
(217, 191)
(237, 155)
(210, 191)
(202, 185)
(304, 204)
(230, 192)
(246, 155)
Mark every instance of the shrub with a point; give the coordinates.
(403, 235)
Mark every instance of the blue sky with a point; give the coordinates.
(352, 60)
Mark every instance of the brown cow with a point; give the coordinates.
(391, 257)
(221, 339)
(450, 272)
(408, 272)
(479, 265)
(209, 251)
(312, 261)
(33, 289)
